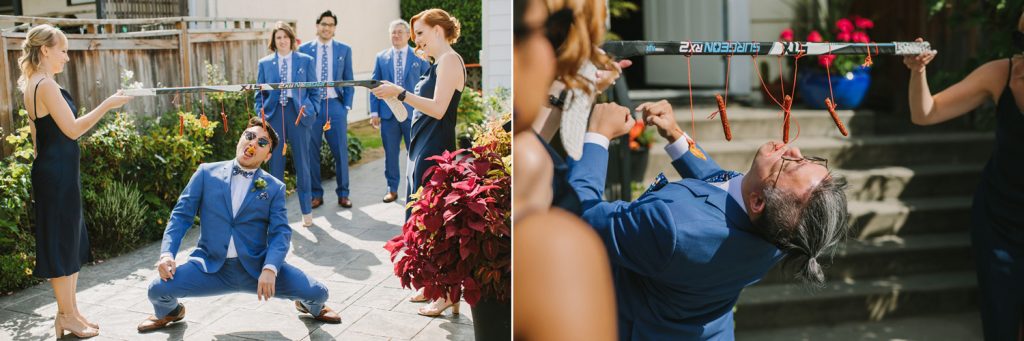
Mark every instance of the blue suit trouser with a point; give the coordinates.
(337, 141)
(392, 134)
(298, 141)
(190, 281)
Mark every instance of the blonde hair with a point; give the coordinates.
(585, 35)
(437, 17)
(282, 26)
(31, 50)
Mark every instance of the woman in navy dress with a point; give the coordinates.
(436, 100)
(62, 243)
(997, 227)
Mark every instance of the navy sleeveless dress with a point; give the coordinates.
(997, 231)
(430, 136)
(62, 243)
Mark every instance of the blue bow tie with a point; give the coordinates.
(238, 170)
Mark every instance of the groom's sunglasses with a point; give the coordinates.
(262, 142)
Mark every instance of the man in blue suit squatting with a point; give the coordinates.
(332, 62)
(684, 250)
(243, 240)
(401, 66)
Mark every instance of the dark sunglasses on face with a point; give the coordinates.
(262, 142)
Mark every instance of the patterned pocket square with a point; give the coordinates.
(659, 182)
(263, 196)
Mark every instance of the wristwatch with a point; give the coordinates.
(401, 96)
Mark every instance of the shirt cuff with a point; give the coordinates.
(168, 254)
(348, 107)
(597, 139)
(679, 148)
(271, 267)
(373, 114)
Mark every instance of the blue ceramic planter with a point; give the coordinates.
(848, 89)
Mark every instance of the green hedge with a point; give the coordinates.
(469, 14)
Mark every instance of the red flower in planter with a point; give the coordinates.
(786, 35)
(814, 37)
(860, 37)
(826, 60)
(844, 25)
(863, 23)
(457, 241)
(843, 36)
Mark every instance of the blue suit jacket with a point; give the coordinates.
(342, 70)
(302, 71)
(384, 69)
(260, 228)
(680, 255)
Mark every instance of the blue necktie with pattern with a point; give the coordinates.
(284, 79)
(323, 69)
(399, 69)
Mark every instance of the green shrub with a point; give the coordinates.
(17, 243)
(468, 13)
(116, 219)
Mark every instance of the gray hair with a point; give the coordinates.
(807, 233)
(398, 22)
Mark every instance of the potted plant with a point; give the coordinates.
(849, 75)
(640, 141)
(457, 241)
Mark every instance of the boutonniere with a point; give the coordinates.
(260, 184)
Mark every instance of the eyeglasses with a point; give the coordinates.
(327, 25)
(555, 28)
(262, 142)
(812, 159)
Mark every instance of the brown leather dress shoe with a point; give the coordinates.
(344, 202)
(327, 315)
(317, 202)
(152, 323)
(391, 196)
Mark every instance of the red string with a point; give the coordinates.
(782, 83)
(828, 74)
(689, 85)
(765, 86)
(728, 66)
(796, 69)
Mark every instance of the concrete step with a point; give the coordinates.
(766, 123)
(898, 182)
(849, 153)
(964, 326)
(791, 305)
(870, 219)
(878, 257)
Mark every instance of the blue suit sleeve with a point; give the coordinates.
(184, 213)
(279, 234)
(311, 94)
(587, 176)
(347, 92)
(691, 166)
(374, 101)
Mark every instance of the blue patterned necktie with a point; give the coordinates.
(284, 79)
(323, 69)
(660, 180)
(238, 170)
(398, 68)
(722, 177)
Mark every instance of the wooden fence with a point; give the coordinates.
(160, 52)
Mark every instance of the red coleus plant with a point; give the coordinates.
(851, 29)
(457, 241)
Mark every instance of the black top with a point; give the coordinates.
(1001, 181)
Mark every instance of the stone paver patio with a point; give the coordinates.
(344, 250)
